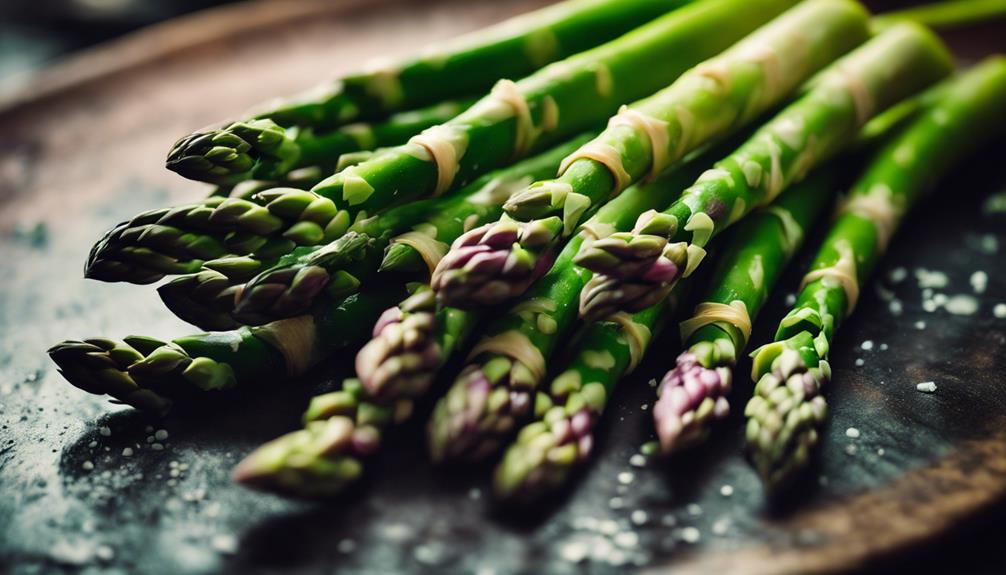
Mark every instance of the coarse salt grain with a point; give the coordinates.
(88, 465)
(127, 452)
(638, 517)
(979, 281)
(999, 310)
(105, 431)
(867, 345)
(860, 362)
(727, 490)
(694, 509)
(626, 539)
(690, 534)
(637, 460)
(926, 387)
(920, 325)
(852, 432)
(161, 434)
(626, 477)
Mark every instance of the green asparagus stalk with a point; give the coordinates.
(152, 374)
(693, 394)
(292, 286)
(710, 101)
(465, 65)
(261, 149)
(411, 341)
(497, 389)
(560, 437)
(788, 410)
(172, 241)
(543, 109)
(635, 269)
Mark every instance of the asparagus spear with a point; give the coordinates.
(464, 65)
(174, 240)
(497, 389)
(560, 436)
(788, 410)
(635, 269)
(515, 118)
(693, 394)
(151, 374)
(307, 273)
(711, 100)
(396, 368)
(261, 149)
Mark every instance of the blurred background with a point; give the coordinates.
(33, 33)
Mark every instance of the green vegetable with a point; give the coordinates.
(788, 410)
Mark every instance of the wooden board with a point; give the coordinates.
(83, 148)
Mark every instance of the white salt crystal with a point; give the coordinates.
(926, 387)
(852, 432)
(979, 281)
(999, 310)
(867, 345)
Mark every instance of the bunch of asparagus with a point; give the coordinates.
(398, 198)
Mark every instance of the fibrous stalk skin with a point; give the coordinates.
(636, 268)
(787, 411)
(309, 274)
(710, 101)
(152, 374)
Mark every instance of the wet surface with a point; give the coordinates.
(90, 487)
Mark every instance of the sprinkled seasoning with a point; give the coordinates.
(637, 460)
(979, 281)
(852, 432)
(931, 278)
(638, 517)
(920, 325)
(626, 477)
(926, 387)
(897, 275)
(694, 509)
(860, 362)
(999, 310)
(105, 431)
(867, 345)
(961, 304)
(690, 534)
(727, 490)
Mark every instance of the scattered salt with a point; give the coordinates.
(880, 451)
(867, 345)
(883, 347)
(224, 543)
(639, 517)
(852, 432)
(979, 281)
(156, 446)
(694, 509)
(574, 551)
(721, 526)
(637, 460)
(850, 449)
(931, 278)
(897, 275)
(93, 444)
(161, 434)
(645, 406)
(88, 465)
(127, 452)
(920, 325)
(727, 490)
(608, 527)
(626, 539)
(962, 304)
(690, 534)
(999, 310)
(860, 362)
(790, 299)
(895, 307)
(105, 431)
(626, 477)
(104, 552)
(926, 387)
(616, 503)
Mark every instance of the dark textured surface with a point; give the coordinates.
(174, 510)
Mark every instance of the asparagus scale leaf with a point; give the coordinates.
(785, 416)
(710, 101)
(637, 268)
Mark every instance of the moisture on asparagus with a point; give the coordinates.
(693, 394)
(637, 268)
(426, 227)
(710, 101)
(497, 389)
(787, 411)
(151, 374)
